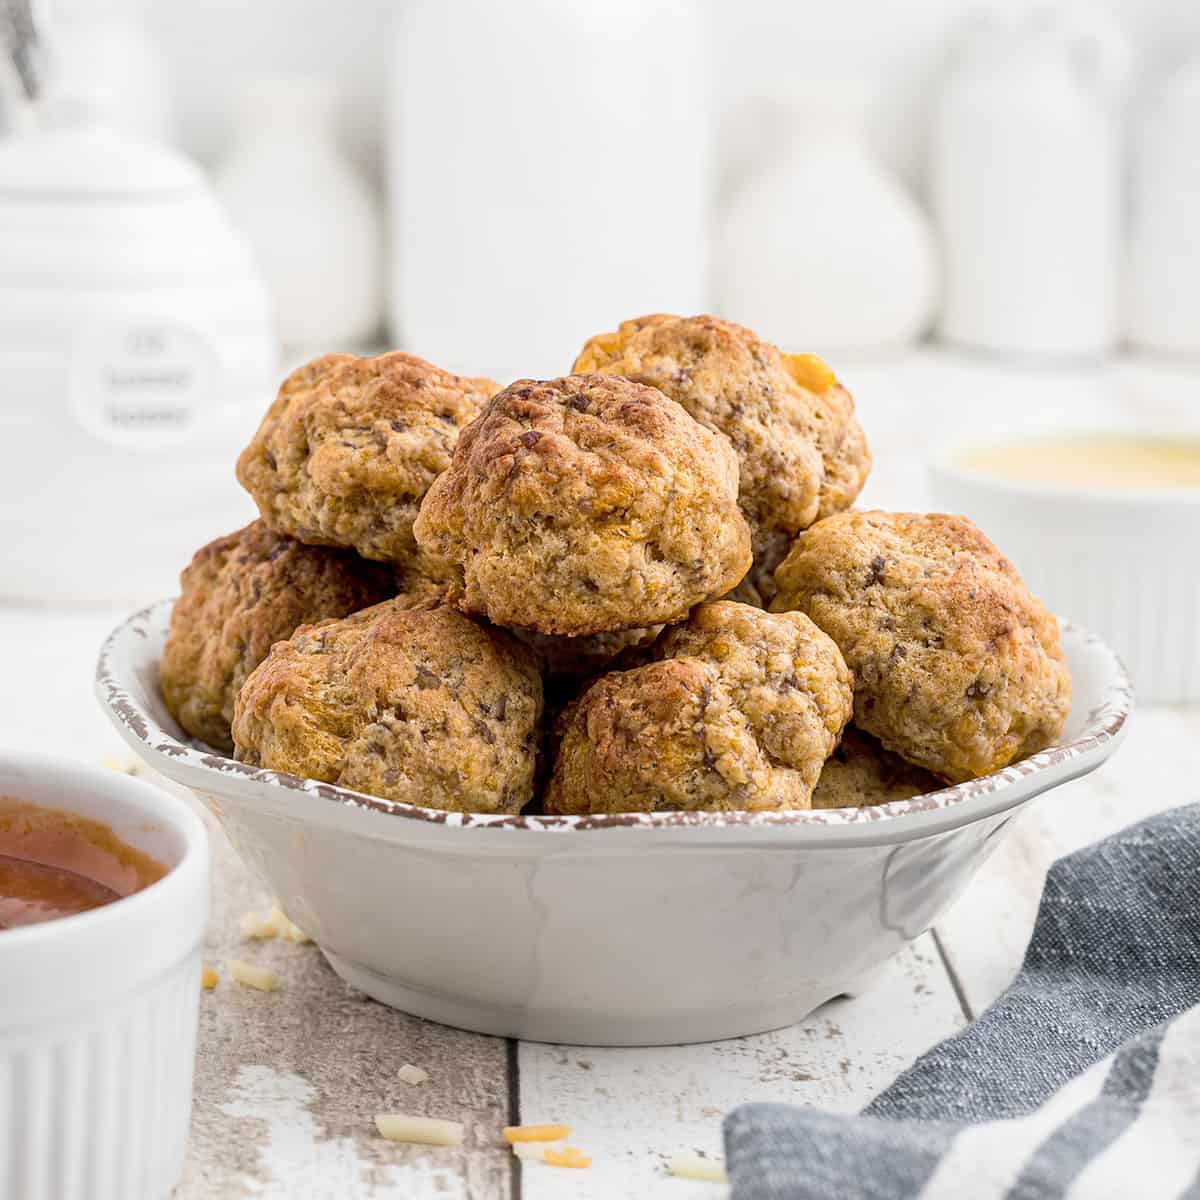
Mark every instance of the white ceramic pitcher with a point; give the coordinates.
(1026, 182)
(548, 175)
(1163, 302)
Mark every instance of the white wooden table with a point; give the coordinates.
(287, 1083)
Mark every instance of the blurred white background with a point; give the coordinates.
(762, 49)
(977, 212)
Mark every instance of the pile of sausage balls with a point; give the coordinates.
(640, 587)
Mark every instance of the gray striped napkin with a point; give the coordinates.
(1081, 1081)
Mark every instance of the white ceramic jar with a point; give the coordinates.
(1025, 183)
(137, 357)
(98, 1011)
(1163, 302)
(549, 176)
(845, 268)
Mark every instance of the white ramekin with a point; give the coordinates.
(98, 1011)
(1124, 563)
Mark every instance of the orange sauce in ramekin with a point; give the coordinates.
(56, 864)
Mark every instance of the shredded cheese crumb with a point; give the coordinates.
(412, 1075)
(689, 1165)
(209, 979)
(536, 1133)
(568, 1156)
(271, 924)
(289, 930)
(262, 978)
(423, 1131)
(257, 925)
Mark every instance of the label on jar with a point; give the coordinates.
(142, 384)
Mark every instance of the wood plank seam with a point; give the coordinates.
(514, 1112)
(952, 975)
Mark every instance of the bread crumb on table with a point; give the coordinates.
(209, 978)
(412, 1075)
(262, 978)
(422, 1131)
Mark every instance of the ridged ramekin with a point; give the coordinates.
(98, 1011)
(1123, 562)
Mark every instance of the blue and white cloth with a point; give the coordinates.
(1082, 1081)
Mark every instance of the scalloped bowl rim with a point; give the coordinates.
(949, 807)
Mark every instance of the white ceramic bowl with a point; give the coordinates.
(1125, 563)
(98, 1011)
(627, 929)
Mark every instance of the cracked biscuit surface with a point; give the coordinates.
(408, 700)
(239, 595)
(350, 446)
(860, 773)
(738, 711)
(802, 454)
(957, 667)
(587, 504)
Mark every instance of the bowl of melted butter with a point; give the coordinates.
(1103, 525)
(1115, 463)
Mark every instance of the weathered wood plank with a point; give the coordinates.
(632, 1109)
(287, 1083)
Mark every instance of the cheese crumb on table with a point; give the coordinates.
(209, 978)
(274, 923)
(422, 1131)
(689, 1165)
(289, 930)
(262, 978)
(412, 1075)
(568, 1156)
(535, 1133)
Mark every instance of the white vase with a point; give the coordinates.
(548, 175)
(100, 55)
(1163, 300)
(1025, 167)
(313, 221)
(823, 248)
